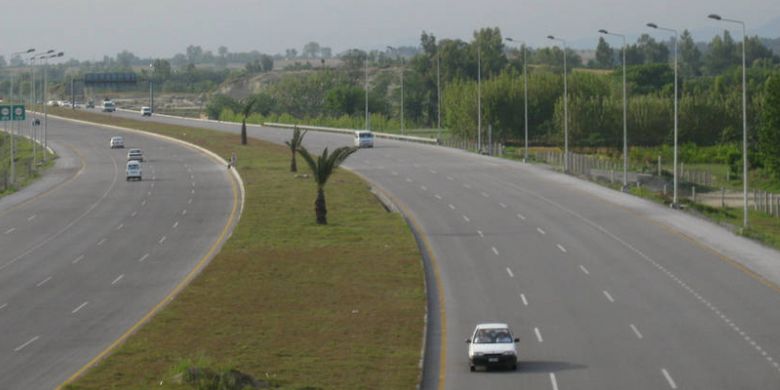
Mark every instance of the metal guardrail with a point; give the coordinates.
(396, 137)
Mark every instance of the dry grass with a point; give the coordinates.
(301, 305)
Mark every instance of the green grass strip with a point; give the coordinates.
(286, 301)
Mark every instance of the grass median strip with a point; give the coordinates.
(286, 301)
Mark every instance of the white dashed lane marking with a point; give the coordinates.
(424, 188)
(465, 218)
(81, 306)
(23, 346)
(636, 331)
(437, 196)
(669, 378)
(121, 225)
(450, 178)
(522, 298)
(30, 218)
(162, 240)
(495, 250)
(3, 306)
(118, 278)
(561, 248)
(9, 231)
(609, 297)
(176, 224)
(503, 206)
(134, 214)
(484, 194)
(144, 257)
(42, 282)
(76, 260)
(521, 216)
(509, 271)
(480, 233)
(553, 381)
(542, 232)
(538, 335)
(585, 270)
(451, 206)
(101, 242)
(184, 212)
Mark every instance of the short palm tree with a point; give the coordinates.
(246, 110)
(295, 145)
(321, 169)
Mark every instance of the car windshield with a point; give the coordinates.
(492, 336)
(366, 135)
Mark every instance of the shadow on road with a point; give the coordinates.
(547, 366)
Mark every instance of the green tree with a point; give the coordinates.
(246, 110)
(769, 132)
(218, 103)
(722, 54)
(491, 48)
(605, 55)
(295, 144)
(311, 50)
(322, 168)
(690, 56)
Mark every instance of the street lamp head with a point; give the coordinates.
(550, 37)
(60, 54)
(50, 51)
(30, 50)
(604, 31)
(652, 25)
(509, 39)
(714, 16)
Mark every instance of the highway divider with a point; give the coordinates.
(407, 138)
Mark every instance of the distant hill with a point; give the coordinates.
(769, 30)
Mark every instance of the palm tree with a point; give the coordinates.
(295, 145)
(246, 110)
(321, 169)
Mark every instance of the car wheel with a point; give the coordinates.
(514, 367)
(472, 368)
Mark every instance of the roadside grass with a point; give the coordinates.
(26, 172)
(286, 301)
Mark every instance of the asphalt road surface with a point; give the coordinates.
(605, 291)
(86, 254)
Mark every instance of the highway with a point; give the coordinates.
(86, 254)
(605, 291)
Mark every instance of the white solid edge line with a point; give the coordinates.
(669, 378)
(553, 381)
(538, 335)
(21, 347)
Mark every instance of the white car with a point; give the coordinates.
(364, 139)
(146, 111)
(492, 345)
(117, 142)
(108, 106)
(134, 171)
(135, 154)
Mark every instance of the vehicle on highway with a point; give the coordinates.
(117, 142)
(364, 139)
(135, 154)
(108, 106)
(91, 104)
(134, 171)
(492, 345)
(146, 111)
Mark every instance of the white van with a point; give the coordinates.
(108, 106)
(134, 171)
(364, 139)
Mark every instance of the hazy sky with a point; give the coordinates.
(88, 29)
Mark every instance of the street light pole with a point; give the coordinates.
(525, 97)
(151, 87)
(625, 110)
(438, 93)
(479, 97)
(676, 120)
(744, 119)
(402, 87)
(45, 95)
(565, 107)
(366, 66)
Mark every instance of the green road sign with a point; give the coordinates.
(18, 112)
(12, 113)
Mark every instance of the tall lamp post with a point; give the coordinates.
(438, 93)
(151, 87)
(479, 97)
(744, 118)
(675, 175)
(366, 69)
(625, 109)
(402, 88)
(45, 95)
(525, 96)
(565, 107)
